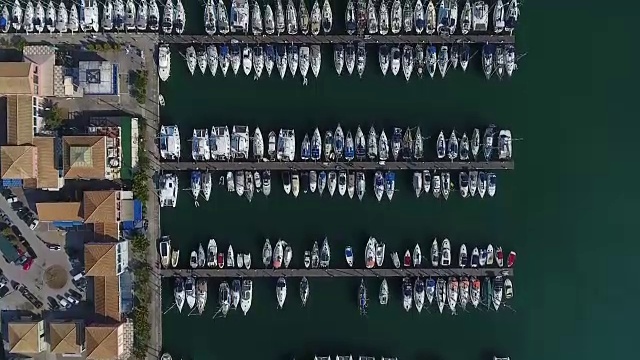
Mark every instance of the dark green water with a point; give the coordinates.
(556, 209)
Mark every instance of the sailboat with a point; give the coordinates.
(268, 61)
(210, 18)
(333, 179)
(452, 296)
(473, 182)
(292, 59)
(383, 147)
(315, 60)
(50, 20)
(280, 20)
(165, 251)
(383, 297)
(206, 185)
(498, 284)
(322, 182)
(327, 17)
(239, 182)
(430, 14)
(236, 58)
(372, 143)
(417, 256)
(304, 290)
(281, 60)
(443, 60)
(130, 16)
(390, 184)
(441, 294)
(350, 55)
(223, 18)
(180, 18)
(201, 58)
(351, 185)
(372, 23)
(487, 60)
(407, 294)
(487, 145)
(360, 145)
(29, 14)
(154, 15)
(267, 253)
(407, 61)
(510, 59)
(189, 289)
(303, 17)
(435, 184)
(482, 184)
(446, 184)
(383, 59)
(426, 181)
(247, 60)
(16, 15)
(407, 17)
(257, 25)
(288, 255)
(440, 146)
(513, 13)
(395, 259)
(491, 188)
(431, 290)
(63, 17)
(269, 22)
(325, 254)
(396, 141)
(396, 16)
(432, 60)
(475, 143)
(378, 185)
(224, 59)
(278, 254)
(383, 18)
(315, 19)
(395, 60)
(201, 295)
(417, 183)
(350, 18)
(360, 185)
(498, 17)
(370, 253)
(349, 150)
(191, 59)
(453, 16)
(499, 61)
(119, 15)
(292, 18)
(363, 300)
(142, 16)
(465, 18)
(236, 287)
(348, 254)
(418, 294)
(179, 293)
(435, 254)
(266, 182)
(418, 13)
(315, 256)
(249, 185)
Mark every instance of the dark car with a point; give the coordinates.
(75, 294)
(17, 205)
(23, 212)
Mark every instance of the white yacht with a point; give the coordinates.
(168, 17)
(383, 147)
(62, 19)
(223, 18)
(257, 25)
(407, 17)
(29, 14)
(239, 16)
(378, 185)
(280, 20)
(180, 19)
(350, 58)
(372, 15)
(107, 16)
(50, 20)
(286, 146)
(418, 14)
(465, 18)
(269, 21)
(480, 16)
(258, 144)
(130, 16)
(169, 142)
(316, 18)
(210, 18)
(361, 58)
(164, 62)
(498, 17)
(200, 150)
(407, 61)
(168, 185)
(212, 59)
(246, 295)
(407, 294)
(74, 24)
(510, 59)
(327, 17)
(206, 185)
(142, 15)
(303, 18)
(396, 16)
(292, 59)
(178, 293)
(281, 291)
(240, 142)
(418, 294)
(16, 15)
(430, 15)
(304, 59)
(247, 60)
(39, 17)
(316, 60)
(191, 58)
(154, 15)
(220, 143)
(224, 297)
(201, 295)
(119, 15)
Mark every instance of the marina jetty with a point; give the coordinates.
(337, 39)
(353, 165)
(337, 273)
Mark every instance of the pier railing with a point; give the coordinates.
(328, 166)
(331, 273)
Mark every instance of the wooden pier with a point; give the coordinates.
(337, 39)
(337, 166)
(336, 273)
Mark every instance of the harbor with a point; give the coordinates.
(336, 39)
(337, 166)
(334, 273)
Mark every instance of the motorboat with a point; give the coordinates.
(498, 18)
(348, 254)
(380, 248)
(499, 61)
(498, 285)
(432, 60)
(316, 60)
(384, 59)
(419, 16)
(360, 145)
(361, 185)
(452, 295)
(499, 257)
(49, 21)
(383, 147)
(191, 58)
(372, 15)
(267, 253)
(455, 56)
(130, 16)
(378, 185)
(417, 183)
(464, 147)
(395, 259)
(325, 254)
(370, 253)
(440, 146)
(480, 16)
(511, 260)
(249, 185)
(490, 255)
(475, 257)
(407, 17)
(304, 63)
(201, 295)
(474, 293)
(266, 182)
(510, 59)
(504, 145)
(443, 60)
(322, 182)
(179, 293)
(278, 254)
(175, 256)
(442, 18)
(407, 61)
(350, 58)
(313, 180)
(16, 15)
(418, 294)
(269, 59)
(224, 59)
(236, 288)
(231, 260)
(315, 256)
(435, 253)
(307, 259)
(383, 18)
(303, 18)
(396, 16)
(512, 15)
(220, 260)
(168, 184)
(407, 294)
(473, 182)
(189, 290)
(446, 184)
(154, 15)
(304, 290)
(491, 189)
(396, 142)
(212, 251)
(305, 148)
(240, 185)
(390, 184)
(430, 14)
(62, 19)
(201, 58)
(418, 145)
(164, 66)
(338, 58)
(292, 59)
(196, 184)
(487, 145)
(224, 298)
(383, 297)
(426, 181)
(435, 184)
(462, 257)
(372, 143)
(431, 290)
(361, 58)
(206, 185)
(169, 140)
(463, 181)
(483, 257)
(292, 18)
(280, 20)
(487, 60)
(508, 289)
(288, 255)
(247, 60)
(231, 184)
(465, 18)
(482, 184)
(257, 25)
(29, 15)
(441, 294)
(465, 54)
(327, 17)
(407, 258)
(165, 251)
(119, 12)
(417, 256)
(281, 60)
(395, 60)
(349, 147)
(363, 300)
(246, 295)
(350, 18)
(271, 145)
(236, 57)
(453, 16)
(223, 18)
(315, 18)
(351, 185)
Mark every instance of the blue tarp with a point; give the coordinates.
(12, 183)
(67, 224)
(137, 217)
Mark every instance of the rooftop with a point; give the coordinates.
(64, 337)
(59, 211)
(84, 157)
(47, 169)
(100, 259)
(100, 206)
(24, 337)
(106, 294)
(19, 119)
(15, 78)
(104, 341)
(17, 162)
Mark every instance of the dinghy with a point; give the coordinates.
(350, 18)
(383, 18)
(435, 254)
(418, 293)
(383, 147)
(266, 182)
(482, 184)
(378, 185)
(435, 184)
(390, 184)
(223, 18)
(370, 253)
(267, 253)
(396, 16)
(452, 296)
(348, 254)
(462, 257)
(332, 182)
(351, 185)
(327, 17)
(407, 17)
(407, 62)
(431, 290)
(407, 294)
(372, 21)
(463, 180)
(383, 297)
(269, 22)
(342, 182)
(432, 60)
(418, 14)
(426, 181)
(350, 58)
(417, 256)
(256, 19)
(446, 184)
(304, 290)
(315, 256)
(292, 18)
(383, 58)
(316, 60)
(303, 16)
(269, 58)
(325, 254)
(417, 183)
(281, 291)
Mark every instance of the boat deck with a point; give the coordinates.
(350, 272)
(337, 39)
(351, 166)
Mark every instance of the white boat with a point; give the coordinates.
(266, 182)
(240, 142)
(223, 18)
(419, 60)
(322, 182)
(257, 25)
(361, 59)
(418, 145)
(164, 65)
(480, 16)
(179, 293)
(246, 295)
(475, 257)
(407, 17)
(292, 18)
(384, 59)
(473, 182)
(498, 284)
(390, 184)
(292, 59)
(154, 15)
(38, 18)
(206, 185)
(280, 20)
(350, 18)
(380, 249)
(304, 290)
(504, 145)
(169, 142)
(303, 59)
(395, 259)
(463, 182)
(236, 57)
(267, 253)
(288, 255)
(249, 185)
(491, 187)
(316, 60)
(278, 254)
(342, 182)
(168, 184)
(269, 22)
(29, 14)
(431, 290)
(201, 58)
(430, 15)
(378, 185)
(440, 146)
(231, 186)
(247, 60)
(482, 261)
(417, 183)
(474, 293)
(499, 61)
(281, 291)
(239, 16)
(196, 184)
(432, 60)
(16, 15)
(210, 17)
(348, 254)
(407, 294)
(498, 17)
(510, 60)
(269, 58)
(490, 255)
(212, 59)
(325, 254)
(441, 294)
(224, 59)
(418, 294)
(462, 257)
(231, 259)
(453, 16)
(446, 185)
(435, 184)
(372, 15)
(370, 253)
(50, 19)
(351, 185)
(119, 15)
(350, 58)
(191, 58)
(513, 13)
(201, 295)
(482, 184)
(142, 16)
(383, 18)
(435, 253)
(418, 14)
(165, 251)
(452, 294)
(384, 292)
(316, 18)
(465, 18)
(281, 60)
(189, 290)
(396, 17)
(202, 256)
(236, 288)
(62, 19)
(396, 142)
(426, 181)
(417, 256)
(443, 60)
(327, 17)
(315, 256)
(445, 259)
(372, 143)
(224, 298)
(333, 179)
(407, 61)
(303, 18)
(286, 182)
(239, 182)
(307, 259)
(313, 180)
(395, 60)
(508, 289)
(212, 252)
(130, 16)
(220, 143)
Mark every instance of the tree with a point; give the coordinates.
(53, 118)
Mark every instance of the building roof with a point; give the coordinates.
(106, 232)
(18, 162)
(47, 169)
(64, 338)
(19, 119)
(106, 296)
(24, 337)
(15, 78)
(100, 259)
(103, 341)
(99, 206)
(58, 211)
(45, 57)
(84, 157)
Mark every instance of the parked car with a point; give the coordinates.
(64, 303)
(11, 199)
(33, 224)
(54, 247)
(72, 300)
(75, 294)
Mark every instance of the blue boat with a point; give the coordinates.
(378, 185)
(362, 298)
(390, 184)
(196, 184)
(349, 151)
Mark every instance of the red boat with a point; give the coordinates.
(499, 256)
(512, 259)
(220, 260)
(407, 259)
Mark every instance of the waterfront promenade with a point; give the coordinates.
(327, 166)
(337, 39)
(341, 273)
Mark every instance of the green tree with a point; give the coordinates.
(53, 118)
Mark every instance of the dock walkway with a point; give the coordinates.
(351, 166)
(329, 273)
(336, 39)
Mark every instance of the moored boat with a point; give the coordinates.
(426, 181)
(370, 253)
(179, 293)
(431, 290)
(327, 17)
(201, 295)
(236, 287)
(189, 290)
(246, 296)
(304, 290)
(383, 297)
(407, 294)
(435, 254)
(325, 254)
(417, 256)
(378, 185)
(350, 58)
(348, 254)
(390, 184)
(407, 61)
(395, 60)
(463, 182)
(267, 253)
(315, 256)
(462, 256)
(396, 16)
(224, 298)
(417, 183)
(452, 293)
(165, 251)
(446, 185)
(418, 294)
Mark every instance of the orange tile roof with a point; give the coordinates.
(106, 295)
(24, 337)
(19, 119)
(100, 259)
(47, 169)
(104, 341)
(84, 157)
(59, 211)
(15, 78)
(106, 232)
(63, 338)
(99, 206)
(18, 162)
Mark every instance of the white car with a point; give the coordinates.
(72, 300)
(64, 303)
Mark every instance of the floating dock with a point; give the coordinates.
(336, 273)
(337, 166)
(337, 39)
